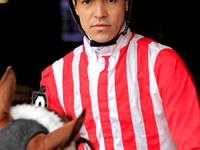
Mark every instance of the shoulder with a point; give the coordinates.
(59, 63)
(170, 66)
(171, 72)
(151, 45)
(169, 59)
(168, 63)
(164, 60)
(157, 52)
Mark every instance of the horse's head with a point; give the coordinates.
(59, 139)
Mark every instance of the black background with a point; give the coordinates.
(30, 34)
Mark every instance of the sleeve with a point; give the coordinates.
(180, 99)
(48, 81)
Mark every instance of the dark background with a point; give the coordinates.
(30, 34)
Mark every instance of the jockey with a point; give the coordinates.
(138, 93)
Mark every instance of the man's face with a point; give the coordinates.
(101, 19)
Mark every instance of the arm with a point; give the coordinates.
(48, 81)
(180, 99)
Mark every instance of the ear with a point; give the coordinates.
(75, 6)
(7, 89)
(127, 2)
(77, 126)
(62, 137)
(7, 94)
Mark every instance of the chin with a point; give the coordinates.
(102, 39)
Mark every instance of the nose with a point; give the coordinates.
(100, 11)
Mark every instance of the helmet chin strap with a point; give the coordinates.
(97, 44)
(111, 42)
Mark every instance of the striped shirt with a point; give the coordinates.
(141, 97)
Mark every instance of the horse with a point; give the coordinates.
(27, 127)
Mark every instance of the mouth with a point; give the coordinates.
(101, 26)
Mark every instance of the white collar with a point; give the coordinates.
(121, 42)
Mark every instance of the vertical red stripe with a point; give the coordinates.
(123, 105)
(103, 106)
(68, 86)
(145, 97)
(85, 98)
(53, 100)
